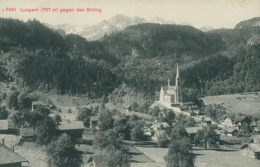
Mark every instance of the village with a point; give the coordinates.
(240, 133)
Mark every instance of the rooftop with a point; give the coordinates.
(71, 125)
(193, 130)
(7, 156)
(26, 132)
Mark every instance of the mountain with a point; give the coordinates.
(158, 20)
(116, 23)
(254, 22)
(69, 28)
(206, 28)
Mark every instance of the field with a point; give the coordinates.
(205, 158)
(250, 106)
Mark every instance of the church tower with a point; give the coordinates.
(177, 86)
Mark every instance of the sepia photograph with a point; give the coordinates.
(129, 83)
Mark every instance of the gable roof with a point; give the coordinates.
(27, 132)
(7, 156)
(193, 130)
(71, 125)
(240, 119)
(229, 129)
(3, 124)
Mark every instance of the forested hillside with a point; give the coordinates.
(142, 57)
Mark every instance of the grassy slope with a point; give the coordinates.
(250, 106)
(205, 158)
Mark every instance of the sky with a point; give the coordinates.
(198, 13)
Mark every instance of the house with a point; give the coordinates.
(27, 134)
(9, 158)
(93, 122)
(205, 121)
(227, 121)
(160, 134)
(96, 160)
(35, 104)
(192, 131)
(229, 131)
(8, 127)
(72, 128)
(158, 125)
(239, 121)
(252, 150)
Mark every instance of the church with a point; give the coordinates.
(170, 94)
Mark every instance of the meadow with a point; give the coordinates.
(249, 106)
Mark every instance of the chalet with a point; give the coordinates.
(27, 134)
(93, 122)
(35, 104)
(9, 158)
(72, 128)
(160, 134)
(239, 121)
(205, 121)
(252, 150)
(192, 131)
(158, 125)
(227, 121)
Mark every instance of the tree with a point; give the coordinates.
(163, 142)
(23, 100)
(46, 131)
(3, 113)
(206, 136)
(117, 159)
(178, 133)
(33, 118)
(105, 120)
(45, 111)
(4, 96)
(137, 133)
(122, 127)
(100, 141)
(179, 154)
(62, 153)
(11, 100)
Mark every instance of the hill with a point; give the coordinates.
(142, 56)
